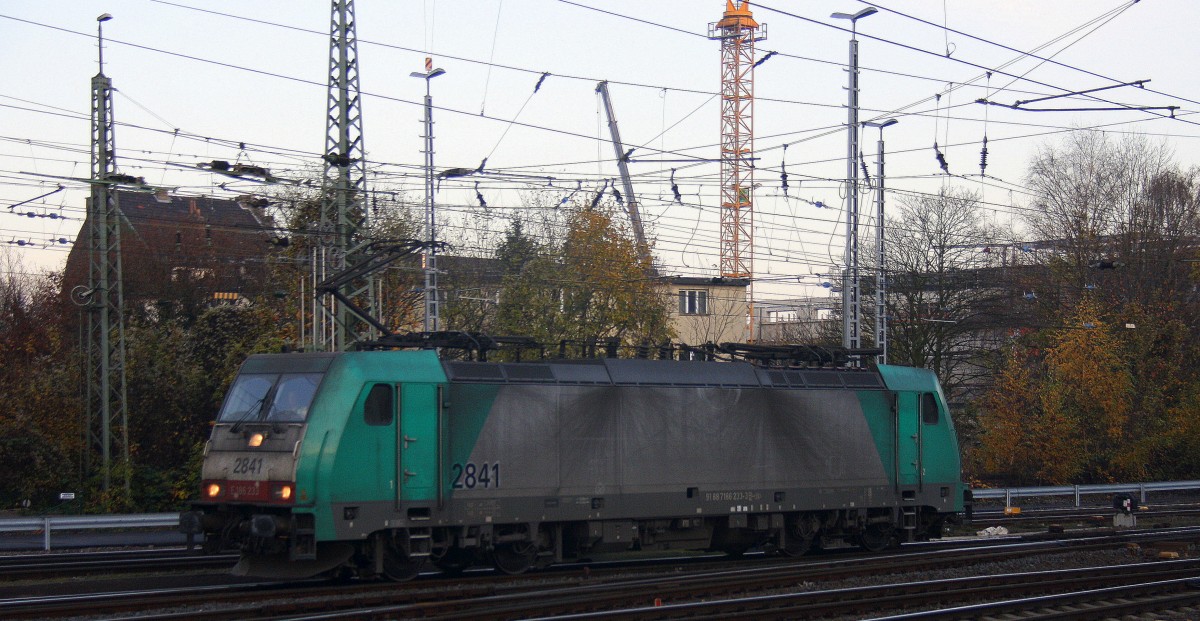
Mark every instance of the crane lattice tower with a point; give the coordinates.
(737, 32)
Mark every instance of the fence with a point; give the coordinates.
(49, 524)
(1078, 491)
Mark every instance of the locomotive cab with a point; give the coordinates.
(310, 449)
(248, 479)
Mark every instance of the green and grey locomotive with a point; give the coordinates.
(377, 462)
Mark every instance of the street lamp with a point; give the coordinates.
(432, 323)
(851, 332)
(100, 36)
(880, 278)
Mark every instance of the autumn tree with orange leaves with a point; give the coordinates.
(586, 283)
(1064, 417)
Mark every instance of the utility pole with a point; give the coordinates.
(851, 304)
(432, 308)
(881, 341)
(343, 188)
(104, 298)
(635, 217)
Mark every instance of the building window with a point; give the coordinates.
(693, 302)
(782, 316)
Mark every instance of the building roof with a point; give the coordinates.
(210, 243)
(702, 281)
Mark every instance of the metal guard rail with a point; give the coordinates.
(47, 524)
(1141, 489)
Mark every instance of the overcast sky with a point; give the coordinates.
(224, 73)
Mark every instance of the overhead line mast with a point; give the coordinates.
(104, 296)
(737, 32)
(343, 189)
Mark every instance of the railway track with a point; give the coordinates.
(565, 592)
(1138, 600)
(74, 564)
(930, 597)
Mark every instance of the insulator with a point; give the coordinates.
(599, 195)
(479, 195)
(983, 153)
(783, 176)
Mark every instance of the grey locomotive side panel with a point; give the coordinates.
(552, 441)
(837, 447)
(676, 437)
(744, 438)
(521, 437)
(589, 420)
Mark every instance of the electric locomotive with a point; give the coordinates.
(378, 462)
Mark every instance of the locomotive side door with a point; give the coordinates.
(416, 443)
(908, 439)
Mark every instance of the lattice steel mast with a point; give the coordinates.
(104, 298)
(433, 321)
(343, 189)
(737, 32)
(851, 284)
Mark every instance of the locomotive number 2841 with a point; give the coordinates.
(471, 476)
(248, 465)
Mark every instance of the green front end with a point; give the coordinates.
(370, 404)
(915, 435)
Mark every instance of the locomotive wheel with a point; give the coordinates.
(514, 558)
(399, 567)
(796, 546)
(800, 536)
(876, 538)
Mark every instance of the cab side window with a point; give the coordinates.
(380, 405)
(929, 409)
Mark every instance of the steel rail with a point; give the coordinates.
(497, 597)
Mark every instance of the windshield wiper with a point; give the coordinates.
(254, 410)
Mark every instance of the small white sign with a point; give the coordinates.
(66, 496)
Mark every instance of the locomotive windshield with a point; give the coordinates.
(270, 397)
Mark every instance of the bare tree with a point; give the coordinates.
(1092, 190)
(945, 294)
(1117, 219)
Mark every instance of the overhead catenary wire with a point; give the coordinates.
(673, 181)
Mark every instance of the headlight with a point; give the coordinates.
(281, 492)
(212, 490)
(256, 439)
